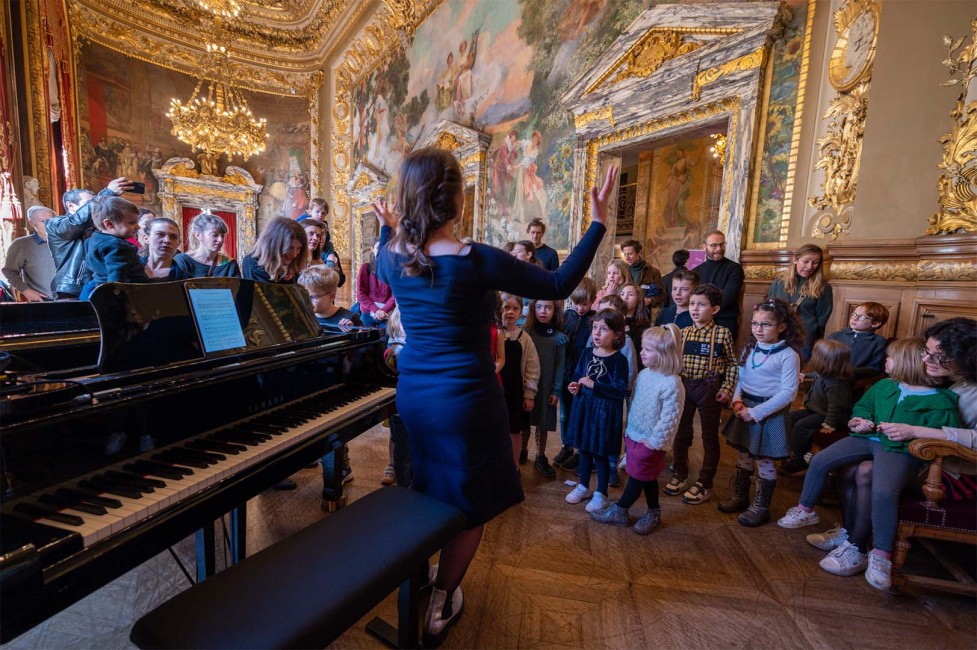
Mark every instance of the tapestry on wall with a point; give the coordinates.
(125, 132)
(500, 67)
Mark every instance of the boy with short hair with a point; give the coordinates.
(576, 325)
(321, 283)
(709, 373)
(683, 282)
(109, 256)
(867, 347)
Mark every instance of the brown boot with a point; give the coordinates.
(759, 511)
(739, 495)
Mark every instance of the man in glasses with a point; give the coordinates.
(725, 274)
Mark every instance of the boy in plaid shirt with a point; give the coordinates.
(709, 374)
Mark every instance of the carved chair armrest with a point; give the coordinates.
(935, 451)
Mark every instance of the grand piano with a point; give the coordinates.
(130, 423)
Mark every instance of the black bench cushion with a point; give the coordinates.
(306, 590)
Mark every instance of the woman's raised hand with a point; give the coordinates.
(599, 200)
(384, 215)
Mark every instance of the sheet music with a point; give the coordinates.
(217, 319)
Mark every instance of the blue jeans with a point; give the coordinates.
(891, 472)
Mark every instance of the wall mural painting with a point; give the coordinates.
(778, 140)
(501, 67)
(498, 67)
(125, 132)
(684, 197)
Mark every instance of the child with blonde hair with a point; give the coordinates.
(908, 396)
(321, 283)
(659, 397)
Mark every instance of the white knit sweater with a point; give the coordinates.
(656, 409)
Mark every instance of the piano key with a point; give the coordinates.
(74, 504)
(47, 512)
(114, 487)
(206, 444)
(143, 483)
(150, 468)
(89, 497)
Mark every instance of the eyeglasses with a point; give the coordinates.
(859, 317)
(762, 326)
(938, 357)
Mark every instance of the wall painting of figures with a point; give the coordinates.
(125, 132)
(500, 67)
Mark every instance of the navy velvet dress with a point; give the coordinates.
(448, 395)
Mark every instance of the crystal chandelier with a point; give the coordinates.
(218, 120)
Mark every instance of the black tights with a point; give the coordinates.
(855, 488)
(603, 464)
(633, 490)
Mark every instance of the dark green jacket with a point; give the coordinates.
(881, 404)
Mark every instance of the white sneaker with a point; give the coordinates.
(846, 560)
(578, 494)
(797, 518)
(828, 540)
(623, 463)
(879, 572)
(597, 503)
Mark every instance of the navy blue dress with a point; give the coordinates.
(448, 395)
(597, 414)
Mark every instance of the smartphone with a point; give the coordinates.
(137, 188)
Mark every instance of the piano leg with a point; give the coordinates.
(206, 553)
(238, 533)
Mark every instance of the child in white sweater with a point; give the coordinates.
(656, 410)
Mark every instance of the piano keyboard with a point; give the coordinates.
(101, 504)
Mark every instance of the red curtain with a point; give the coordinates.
(230, 240)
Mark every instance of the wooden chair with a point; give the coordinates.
(931, 518)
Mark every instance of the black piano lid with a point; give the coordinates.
(148, 325)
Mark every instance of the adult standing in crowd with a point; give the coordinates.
(205, 259)
(725, 274)
(643, 274)
(66, 237)
(321, 250)
(448, 394)
(163, 243)
(547, 256)
(804, 287)
(29, 266)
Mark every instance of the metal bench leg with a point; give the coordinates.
(406, 634)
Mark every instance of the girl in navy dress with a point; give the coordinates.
(448, 395)
(597, 414)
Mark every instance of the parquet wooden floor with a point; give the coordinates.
(547, 577)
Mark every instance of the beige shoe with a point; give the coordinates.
(436, 626)
(389, 477)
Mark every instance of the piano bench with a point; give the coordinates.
(307, 589)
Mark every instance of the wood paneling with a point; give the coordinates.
(922, 281)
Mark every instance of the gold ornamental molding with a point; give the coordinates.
(640, 131)
(840, 150)
(752, 61)
(275, 75)
(651, 51)
(763, 272)
(857, 25)
(958, 180)
(596, 115)
(447, 141)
